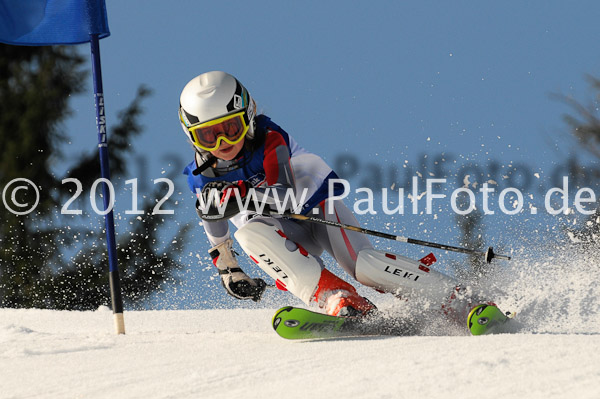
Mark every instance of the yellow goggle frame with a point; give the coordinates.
(209, 135)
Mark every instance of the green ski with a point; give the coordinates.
(297, 323)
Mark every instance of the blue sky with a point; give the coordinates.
(385, 78)
(383, 82)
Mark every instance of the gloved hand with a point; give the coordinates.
(242, 188)
(234, 280)
(209, 204)
(240, 286)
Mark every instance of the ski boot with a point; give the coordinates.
(339, 298)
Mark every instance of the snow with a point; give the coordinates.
(228, 353)
(231, 353)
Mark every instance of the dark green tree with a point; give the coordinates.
(584, 126)
(49, 260)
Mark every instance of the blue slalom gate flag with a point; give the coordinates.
(49, 22)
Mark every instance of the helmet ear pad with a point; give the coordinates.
(251, 129)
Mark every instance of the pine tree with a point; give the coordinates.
(585, 128)
(48, 260)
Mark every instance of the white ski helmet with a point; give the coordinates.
(216, 107)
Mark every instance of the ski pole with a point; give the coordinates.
(488, 254)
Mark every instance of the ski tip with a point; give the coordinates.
(283, 309)
(485, 318)
(277, 319)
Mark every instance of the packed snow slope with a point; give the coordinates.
(234, 353)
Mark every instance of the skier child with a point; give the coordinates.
(241, 153)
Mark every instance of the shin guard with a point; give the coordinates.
(290, 265)
(402, 276)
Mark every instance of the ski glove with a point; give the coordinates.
(209, 205)
(230, 190)
(234, 280)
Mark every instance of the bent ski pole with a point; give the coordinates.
(488, 254)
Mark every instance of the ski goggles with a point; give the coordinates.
(209, 135)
